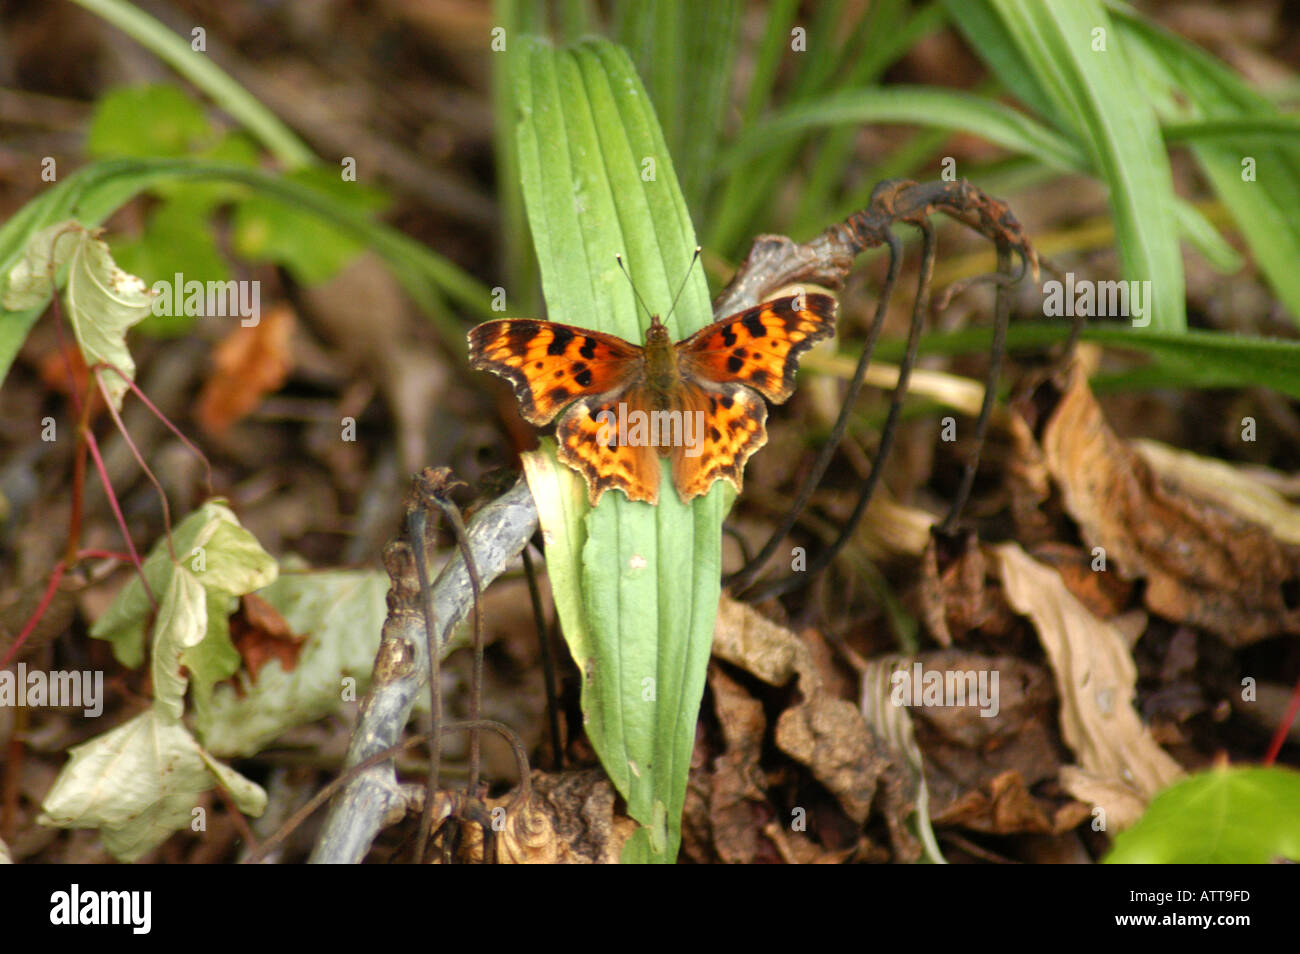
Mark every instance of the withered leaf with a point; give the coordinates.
(1205, 564)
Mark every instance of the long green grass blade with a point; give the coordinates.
(1079, 62)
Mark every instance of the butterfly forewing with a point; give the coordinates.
(549, 364)
(760, 347)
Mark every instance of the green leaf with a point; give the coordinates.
(1081, 67)
(639, 585)
(268, 230)
(216, 560)
(342, 613)
(1221, 816)
(1188, 359)
(139, 783)
(103, 301)
(922, 106)
(182, 623)
(142, 121)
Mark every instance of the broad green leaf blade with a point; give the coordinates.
(1078, 60)
(1221, 816)
(341, 613)
(598, 181)
(103, 301)
(139, 783)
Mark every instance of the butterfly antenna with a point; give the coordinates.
(682, 287)
(619, 258)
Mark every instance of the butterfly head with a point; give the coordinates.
(657, 333)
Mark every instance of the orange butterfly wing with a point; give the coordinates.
(549, 364)
(758, 348)
(590, 444)
(554, 368)
(734, 420)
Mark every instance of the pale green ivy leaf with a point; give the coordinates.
(103, 301)
(139, 783)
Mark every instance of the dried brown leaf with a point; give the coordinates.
(1205, 564)
(1095, 680)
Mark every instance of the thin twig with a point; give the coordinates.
(417, 521)
(325, 794)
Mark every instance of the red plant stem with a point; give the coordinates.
(35, 618)
(93, 447)
(1284, 728)
(103, 555)
(139, 459)
(166, 421)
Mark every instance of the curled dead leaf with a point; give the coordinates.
(568, 818)
(1095, 680)
(1206, 564)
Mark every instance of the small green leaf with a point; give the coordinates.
(182, 623)
(177, 239)
(143, 121)
(139, 783)
(1221, 816)
(103, 301)
(268, 230)
(341, 613)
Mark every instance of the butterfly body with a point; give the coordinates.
(622, 406)
(662, 374)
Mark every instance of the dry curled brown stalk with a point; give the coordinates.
(775, 261)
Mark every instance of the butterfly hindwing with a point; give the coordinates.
(732, 426)
(760, 347)
(588, 440)
(550, 364)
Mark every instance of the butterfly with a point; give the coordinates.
(622, 406)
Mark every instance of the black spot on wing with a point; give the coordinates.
(735, 363)
(728, 337)
(562, 337)
(582, 374)
(753, 323)
(588, 349)
(558, 394)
